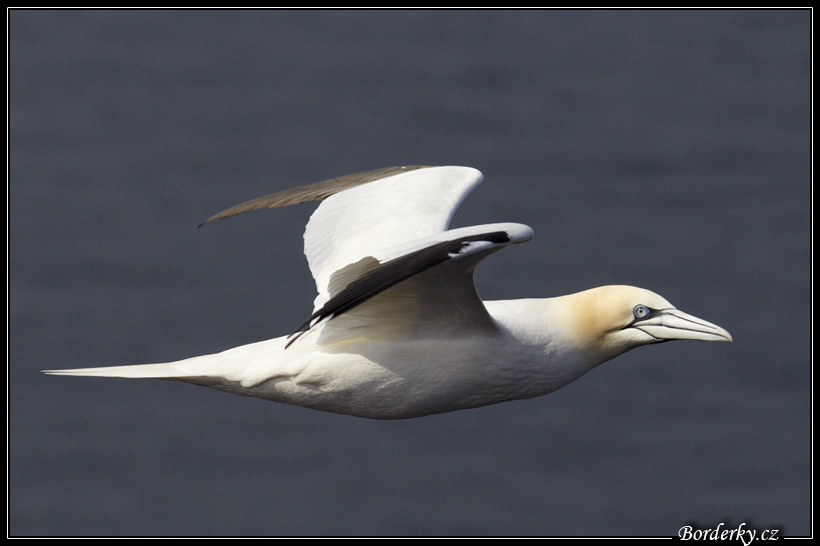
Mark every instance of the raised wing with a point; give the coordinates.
(310, 192)
(384, 263)
(389, 212)
(421, 289)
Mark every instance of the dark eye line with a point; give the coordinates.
(652, 313)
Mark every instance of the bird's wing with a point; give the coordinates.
(394, 210)
(420, 289)
(382, 258)
(311, 192)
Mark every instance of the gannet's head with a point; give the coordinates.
(614, 319)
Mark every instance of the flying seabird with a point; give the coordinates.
(398, 329)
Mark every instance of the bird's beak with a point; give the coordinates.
(668, 324)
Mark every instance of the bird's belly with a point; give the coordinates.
(401, 380)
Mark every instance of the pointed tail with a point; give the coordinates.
(144, 371)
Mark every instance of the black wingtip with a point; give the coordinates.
(305, 327)
(293, 337)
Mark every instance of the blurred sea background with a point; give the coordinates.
(665, 149)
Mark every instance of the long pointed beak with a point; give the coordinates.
(670, 324)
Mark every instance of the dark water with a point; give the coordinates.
(669, 150)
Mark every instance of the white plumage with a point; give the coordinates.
(398, 329)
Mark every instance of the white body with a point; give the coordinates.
(392, 379)
(398, 329)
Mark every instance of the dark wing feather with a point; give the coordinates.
(397, 270)
(311, 192)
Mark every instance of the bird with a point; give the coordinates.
(398, 329)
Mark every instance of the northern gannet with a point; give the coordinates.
(398, 329)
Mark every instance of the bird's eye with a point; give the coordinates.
(641, 311)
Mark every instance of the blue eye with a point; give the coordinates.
(641, 311)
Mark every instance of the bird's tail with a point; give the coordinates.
(198, 366)
(187, 371)
(145, 371)
(247, 365)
